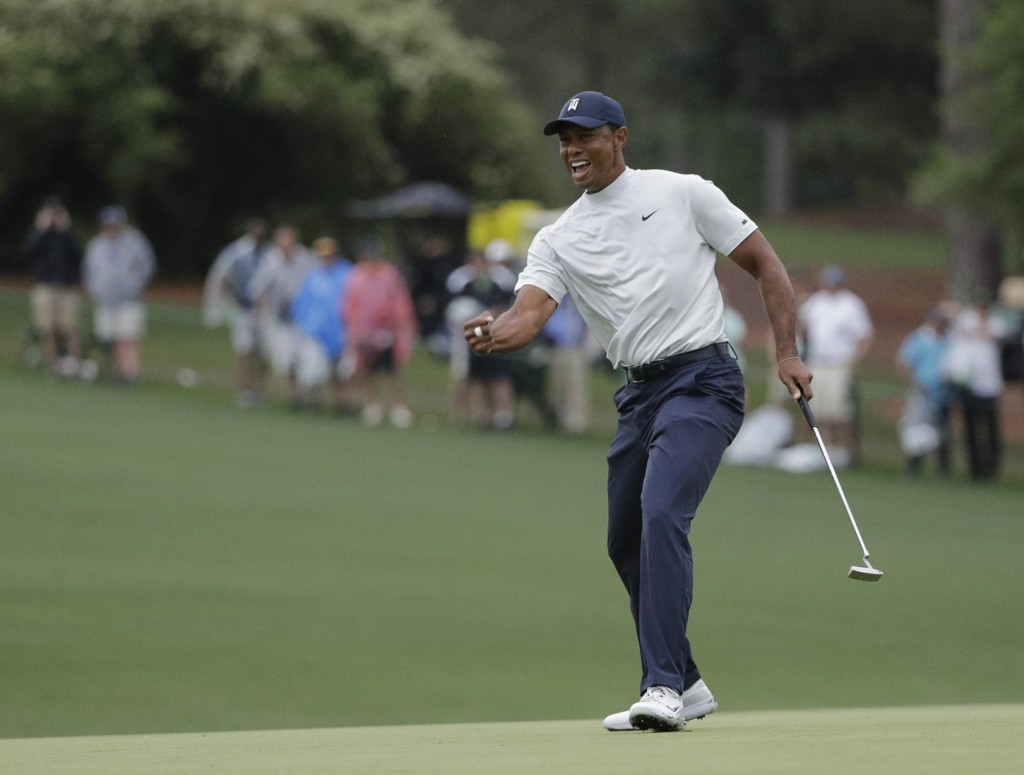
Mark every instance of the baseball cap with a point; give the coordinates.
(588, 109)
(112, 214)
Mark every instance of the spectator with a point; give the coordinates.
(218, 297)
(119, 263)
(381, 330)
(1010, 307)
(973, 369)
(230, 277)
(570, 366)
(274, 288)
(489, 391)
(529, 367)
(56, 257)
(837, 330)
(459, 309)
(429, 266)
(318, 314)
(924, 426)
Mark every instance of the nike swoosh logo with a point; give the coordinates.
(645, 217)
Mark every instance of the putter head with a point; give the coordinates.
(864, 574)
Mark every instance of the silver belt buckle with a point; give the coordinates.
(630, 372)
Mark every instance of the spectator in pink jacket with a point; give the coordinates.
(381, 324)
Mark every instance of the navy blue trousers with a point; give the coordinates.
(671, 434)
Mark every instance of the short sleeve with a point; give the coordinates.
(721, 223)
(542, 268)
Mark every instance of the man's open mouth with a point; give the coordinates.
(579, 168)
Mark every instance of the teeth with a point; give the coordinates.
(577, 164)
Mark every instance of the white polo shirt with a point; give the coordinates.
(836, 324)
(638, 258)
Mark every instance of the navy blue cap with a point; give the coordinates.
(588, 109)
(113, 214)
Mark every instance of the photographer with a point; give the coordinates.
(56, 257)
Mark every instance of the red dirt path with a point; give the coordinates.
(897, 301)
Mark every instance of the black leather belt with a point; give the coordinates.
(667, 365)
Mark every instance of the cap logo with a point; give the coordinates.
(573, 104)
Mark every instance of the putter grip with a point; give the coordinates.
(808, 414)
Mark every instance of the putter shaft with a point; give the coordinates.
(842, 495)
(809, 416)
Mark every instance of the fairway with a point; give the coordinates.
(181, 581)
(971, 739)
(171, 564)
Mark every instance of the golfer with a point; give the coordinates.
(636, 252)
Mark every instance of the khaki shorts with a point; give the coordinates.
(124, 322)
(245, 333)
(313, 366)
(833, 394)
(281, 341)
(54, 307)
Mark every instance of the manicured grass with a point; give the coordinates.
(950, 739)
(810, 246)
(170, 563)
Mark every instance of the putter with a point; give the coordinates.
(867, 572)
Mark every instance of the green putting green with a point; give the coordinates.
(952, 739)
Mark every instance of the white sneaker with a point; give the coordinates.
(88, 371)
(373, 414)
(400, 416)
(698, 702)
(660, 709)
(67, 366)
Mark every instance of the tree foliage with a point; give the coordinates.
(855, 81)
(197, 113)
(985, 172)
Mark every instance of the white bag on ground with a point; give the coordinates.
(764, 432)
(918, 434)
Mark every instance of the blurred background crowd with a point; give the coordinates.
(329, 332)
(335, 333)
(391, 152)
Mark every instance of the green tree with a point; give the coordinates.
(847, 89)
(978, 170)
(195, 113)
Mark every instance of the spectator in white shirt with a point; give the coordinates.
(974, 371)
(837, 330)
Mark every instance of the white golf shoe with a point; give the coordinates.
(698, 702)
(660, 709)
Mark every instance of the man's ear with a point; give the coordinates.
(620, 137)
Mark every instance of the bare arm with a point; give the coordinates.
(758, 258)
(514, 328)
